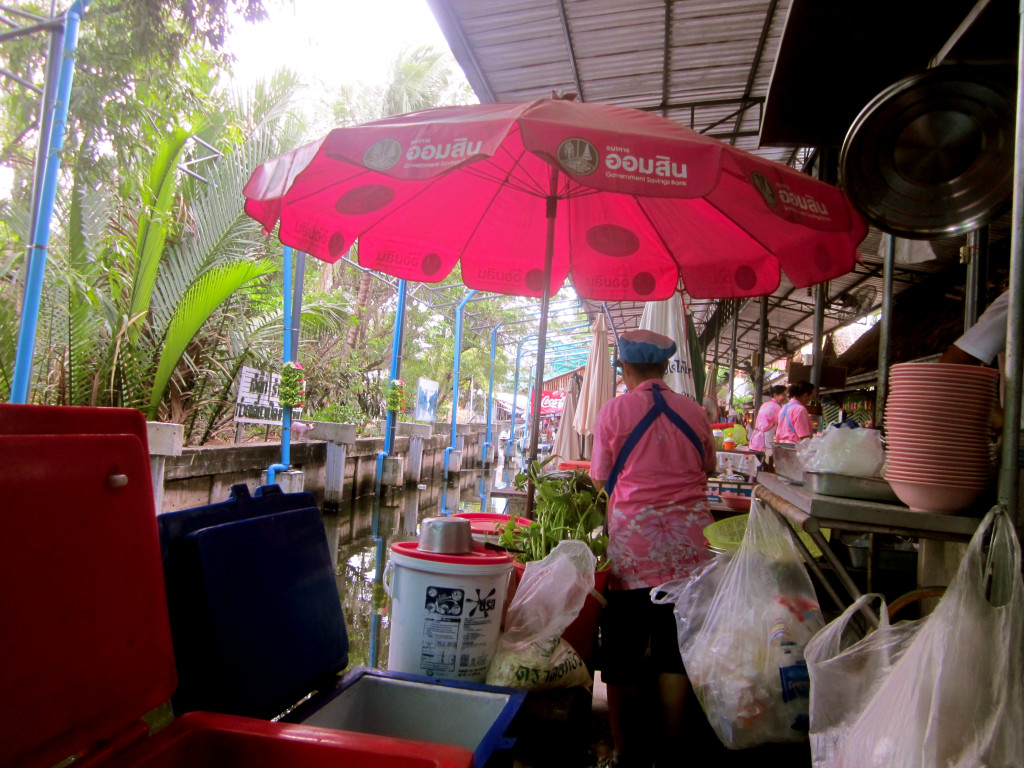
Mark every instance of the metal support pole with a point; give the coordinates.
(490, 394)
(41, 226)
(1009, 465)
(300, 273)
(542, 332)
(286, 357)
(732, 356)
(456, 366)
(884, 330)
(397, 340)
(762, 343)
(975, 254)
(818, 343)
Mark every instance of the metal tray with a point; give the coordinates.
(849, 486)
(787, 463)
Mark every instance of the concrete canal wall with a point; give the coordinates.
(204, 475)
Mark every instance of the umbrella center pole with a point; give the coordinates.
(549, 256)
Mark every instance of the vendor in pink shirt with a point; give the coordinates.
(794, 420)
(768, 420)
(653, 451)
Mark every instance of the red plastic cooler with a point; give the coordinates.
(85, 654)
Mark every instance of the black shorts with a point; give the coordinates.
(636, 636)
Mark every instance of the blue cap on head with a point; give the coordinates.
(642, 347)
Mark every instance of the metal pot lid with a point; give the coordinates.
(933, 154)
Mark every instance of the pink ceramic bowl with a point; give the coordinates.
(934, 497)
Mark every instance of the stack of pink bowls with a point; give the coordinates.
(936, 425)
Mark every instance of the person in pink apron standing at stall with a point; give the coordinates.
(794, 420)
(653, 450)
(767, 422)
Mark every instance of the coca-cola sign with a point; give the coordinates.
(552, 402)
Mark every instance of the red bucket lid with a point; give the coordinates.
(479, 556)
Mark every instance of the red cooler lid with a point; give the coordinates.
(479, 556)
(86, 649)
(485, 522)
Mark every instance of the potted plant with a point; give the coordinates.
(568, 506)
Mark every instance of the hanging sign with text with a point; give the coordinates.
(258, 400)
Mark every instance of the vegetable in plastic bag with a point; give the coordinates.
(531, 653)
(744, 656)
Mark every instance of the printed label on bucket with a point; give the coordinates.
(458, 617)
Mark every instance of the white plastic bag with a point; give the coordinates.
(956, 697)
(744, 656)
(531, 653)
(846, 450)
(846, 670)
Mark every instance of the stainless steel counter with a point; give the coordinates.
(868, 516)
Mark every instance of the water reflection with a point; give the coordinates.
(350, 535)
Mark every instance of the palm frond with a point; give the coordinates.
(208, 293)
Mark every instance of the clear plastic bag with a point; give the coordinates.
(956, 697)
(845, 450)
(846, 670)
(743, 623)
(531, 653)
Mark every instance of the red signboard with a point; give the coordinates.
(552, 402)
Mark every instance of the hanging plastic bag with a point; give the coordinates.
(956, 697)
(744, 656)
(846, 669)
(531, 653)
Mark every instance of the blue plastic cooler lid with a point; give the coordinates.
(268, 628)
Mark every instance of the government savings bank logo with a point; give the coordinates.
(578, 156)
(382, 154)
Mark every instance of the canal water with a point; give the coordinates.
(361, 551)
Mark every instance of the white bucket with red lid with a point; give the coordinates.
(445, 610)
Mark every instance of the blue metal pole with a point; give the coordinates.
(515, 395)
(286, 357)
(41, 231)
(490, 390)
(456, 365)
(396, 368)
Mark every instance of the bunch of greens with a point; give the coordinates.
(396, 396)
(568, 505)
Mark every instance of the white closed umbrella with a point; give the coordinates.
(668, 318)
(598, 380)
(567, 440)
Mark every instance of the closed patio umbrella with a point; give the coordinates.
(567, 441)
(598, 379)
(668, 318)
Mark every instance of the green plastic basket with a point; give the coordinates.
(727, 534)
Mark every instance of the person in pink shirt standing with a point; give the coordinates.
(794, 420)
(767, 420)
(653, 450)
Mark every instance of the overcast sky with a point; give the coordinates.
(337, 41)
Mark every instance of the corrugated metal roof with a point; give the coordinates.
(707, 64)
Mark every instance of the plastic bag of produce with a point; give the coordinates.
(531, 653)
(743, 623)
(846, 450)
(846, 667)
(956, 697)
